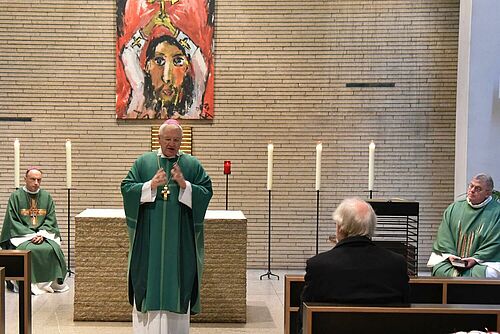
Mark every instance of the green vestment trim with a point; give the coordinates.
(47, 258)
(468, 232)
(165, 236)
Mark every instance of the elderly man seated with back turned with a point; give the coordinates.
(356, 271)
(468, 239)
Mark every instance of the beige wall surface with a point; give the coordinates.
(281, 74)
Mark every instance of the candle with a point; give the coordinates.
(371, 165)
(319, 149)
(68, 164)
(17, 149)
(270, 149)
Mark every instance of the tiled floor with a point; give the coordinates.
(53, 313)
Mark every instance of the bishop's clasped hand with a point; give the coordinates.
(161, 177)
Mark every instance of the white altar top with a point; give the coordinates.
(120, 213)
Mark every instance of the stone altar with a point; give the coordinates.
(101, 250)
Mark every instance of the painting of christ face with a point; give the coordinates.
(168, 87)
(167, 69)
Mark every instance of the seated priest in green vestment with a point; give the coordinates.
(30, 224)
(468, 239)
(165, 196)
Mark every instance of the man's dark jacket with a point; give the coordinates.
(356, 271)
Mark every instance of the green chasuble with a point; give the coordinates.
(468, 232)
(27, 214)
(166, 236)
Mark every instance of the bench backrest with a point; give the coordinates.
(415, 318)
(432, 290)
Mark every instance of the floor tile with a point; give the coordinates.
(53, 313)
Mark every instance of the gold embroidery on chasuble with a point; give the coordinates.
(466, 240)
(33, 212)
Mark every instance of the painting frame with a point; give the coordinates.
(164, 59)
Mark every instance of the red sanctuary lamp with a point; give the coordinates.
(227, 167)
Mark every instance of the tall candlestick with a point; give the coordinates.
(270, 149)
(17, 150)
(319, 149)
(371, 165)
(68, 164)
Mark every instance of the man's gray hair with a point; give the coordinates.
(355, 217)
(486, 179)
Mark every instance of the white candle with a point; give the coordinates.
(371, 165)
(68, 164)
(270, 149)
(17, 150)
(319, 149)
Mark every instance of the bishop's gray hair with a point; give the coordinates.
(170, 123)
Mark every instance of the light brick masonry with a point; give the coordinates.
(281, 70)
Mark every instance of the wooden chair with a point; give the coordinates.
(2, 300)
(17, 264)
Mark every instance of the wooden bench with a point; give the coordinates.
(17, 264)
(414, 318)
(429, 290)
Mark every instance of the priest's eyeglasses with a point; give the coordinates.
(475, 188)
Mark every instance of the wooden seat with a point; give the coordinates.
(414, 318)
(429, 290)
(2, 300)
(17, 264)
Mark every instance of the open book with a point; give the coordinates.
(459, 263)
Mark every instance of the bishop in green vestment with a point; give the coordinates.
(468, 239)
(165, 196)
(30, 224)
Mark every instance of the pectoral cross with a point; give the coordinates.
(165, 192)
(34, 212)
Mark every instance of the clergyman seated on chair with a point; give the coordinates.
(30, 224)
(468, 239)
(355, 271)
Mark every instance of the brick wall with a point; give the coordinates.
(281, 74)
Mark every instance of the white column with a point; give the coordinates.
(478, 102)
